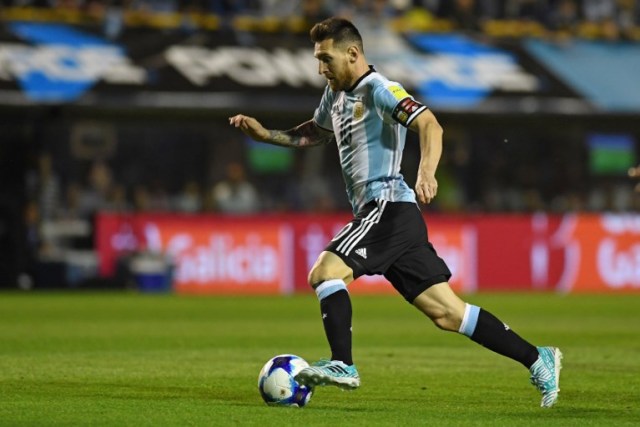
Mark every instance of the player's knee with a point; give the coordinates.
(446, 319)
(318, 274)
(329, 267)
(322, 272)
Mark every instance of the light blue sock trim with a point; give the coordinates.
(470, 320)
(330, 287)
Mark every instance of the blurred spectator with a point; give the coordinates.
(615, 20)
(635, 199)
(628, 18)
(465, 14)
(316, 194)
(113, 21)
(601, 14)
(532, 201)
(76, 206)
(313, 11)
(67, 4)
(229, 8)
(353, 8)
(190, 198)
(141, 198)
(611, 197)
(371, 12)
(491, 9)
(34, 242)
(564, 18)
(598, 10)
(94, 196)
(155, 6)
(235, 194)
(117, 199)
(27, 3)
(431, 7)
(158, 199)
(526, 10)
(277, 8)
(45, 187)
(150, 199)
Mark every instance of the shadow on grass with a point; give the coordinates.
(112, 390)
(61, 389)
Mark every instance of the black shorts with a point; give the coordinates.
(390, 238)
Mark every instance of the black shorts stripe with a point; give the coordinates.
(355, 232)
(361, 232)
(350, 240)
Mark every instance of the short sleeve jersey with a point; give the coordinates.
(370, 124)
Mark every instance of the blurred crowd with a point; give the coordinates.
(476, 174)
(52, 197)
(614, 19)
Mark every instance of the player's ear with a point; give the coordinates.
(352, 53)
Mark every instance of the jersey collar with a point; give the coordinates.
(355, 85)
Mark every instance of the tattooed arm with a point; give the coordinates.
(307, 134)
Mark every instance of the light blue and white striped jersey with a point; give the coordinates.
(370, 124)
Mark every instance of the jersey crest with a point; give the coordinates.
(358, 110)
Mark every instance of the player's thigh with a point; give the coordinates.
(440, 302)
(329, 266)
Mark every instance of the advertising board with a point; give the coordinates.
(273, 254)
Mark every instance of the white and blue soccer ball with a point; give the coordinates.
(277, 384)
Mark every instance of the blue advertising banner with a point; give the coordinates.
(45, 63)
(606, 73)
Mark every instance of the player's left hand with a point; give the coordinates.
(249, 126)
(426, 187)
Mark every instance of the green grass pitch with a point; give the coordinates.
(128, 359)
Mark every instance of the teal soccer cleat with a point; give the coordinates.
(545, 374)
(330, 372)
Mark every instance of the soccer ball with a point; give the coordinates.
(276, 383)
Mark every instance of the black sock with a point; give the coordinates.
(497, 336)
(336, 317)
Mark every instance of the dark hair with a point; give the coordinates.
(339, 29)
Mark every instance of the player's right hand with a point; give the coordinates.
(250, 126)
(426, 187)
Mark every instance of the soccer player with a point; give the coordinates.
(367, 115)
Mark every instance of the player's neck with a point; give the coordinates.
(361, 69)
